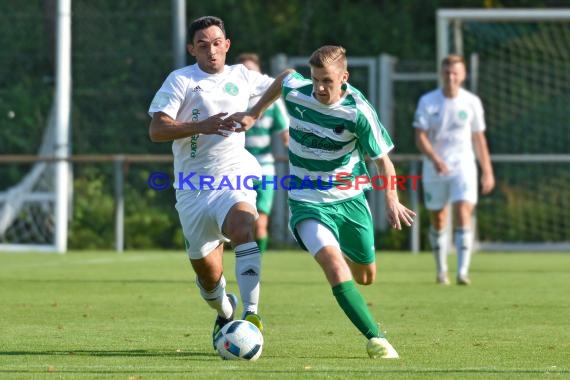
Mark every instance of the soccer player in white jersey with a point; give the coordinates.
(191, 109)
(450, 132)
(332, 128)
(258, 140)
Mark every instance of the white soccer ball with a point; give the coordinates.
(239, 340)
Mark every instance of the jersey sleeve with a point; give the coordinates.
(478, 124)
(258, 83)
(169, 97)
(372, 136)
(293, 81)
(421, 115)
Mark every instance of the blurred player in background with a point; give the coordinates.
(450, 132)
(258, 142)
(191, 109)
(332, 127)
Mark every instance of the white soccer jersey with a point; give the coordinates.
(190, 94)
(258, 138)
(449, 123)
(327, 140)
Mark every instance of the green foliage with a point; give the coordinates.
(150, 217)
(392, 240)
(531, 211)
(93, 208)
(23, 115)
(25, 88)
(122, 52)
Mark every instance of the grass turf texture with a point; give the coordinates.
(140, 316)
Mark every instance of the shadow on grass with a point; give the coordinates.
(317, 281)
(104, 353)
(97, 281)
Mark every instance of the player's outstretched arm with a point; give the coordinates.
(396, 213)
(164, 128)
(247, 119)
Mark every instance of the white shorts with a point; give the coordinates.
(459, 185)
(202, 214)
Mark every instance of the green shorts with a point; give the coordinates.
(350, 221)
(264, 197)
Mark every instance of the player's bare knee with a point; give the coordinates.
(241, 235)
(239, 224)
(208, 281)
(364, 279)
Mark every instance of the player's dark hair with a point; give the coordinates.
(203, 23)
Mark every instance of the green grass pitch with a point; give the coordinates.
(138, 315)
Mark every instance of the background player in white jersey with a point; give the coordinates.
(450, 132)
(191, 109)
(332, 127)
(258, 141)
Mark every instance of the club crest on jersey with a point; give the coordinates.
(231, 89)
(462, 115)
(338, 129)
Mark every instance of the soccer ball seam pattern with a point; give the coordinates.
(239, 340)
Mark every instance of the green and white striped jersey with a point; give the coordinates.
(328, 141)
(258, 137)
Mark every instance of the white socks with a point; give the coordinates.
(463, 238)
(438, 241)
(248, 271)
(217, 298)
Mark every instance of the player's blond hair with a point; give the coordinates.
(328, 55)
(452, 59)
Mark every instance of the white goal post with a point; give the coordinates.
(34, 212)
(520, 66)
(62, 119)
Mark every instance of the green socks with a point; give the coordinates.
(354, 306)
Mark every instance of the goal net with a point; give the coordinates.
(27, 208)
(34, 197)
(520, 65)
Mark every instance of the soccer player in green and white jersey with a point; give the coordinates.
(332, 128)
(258, 139)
